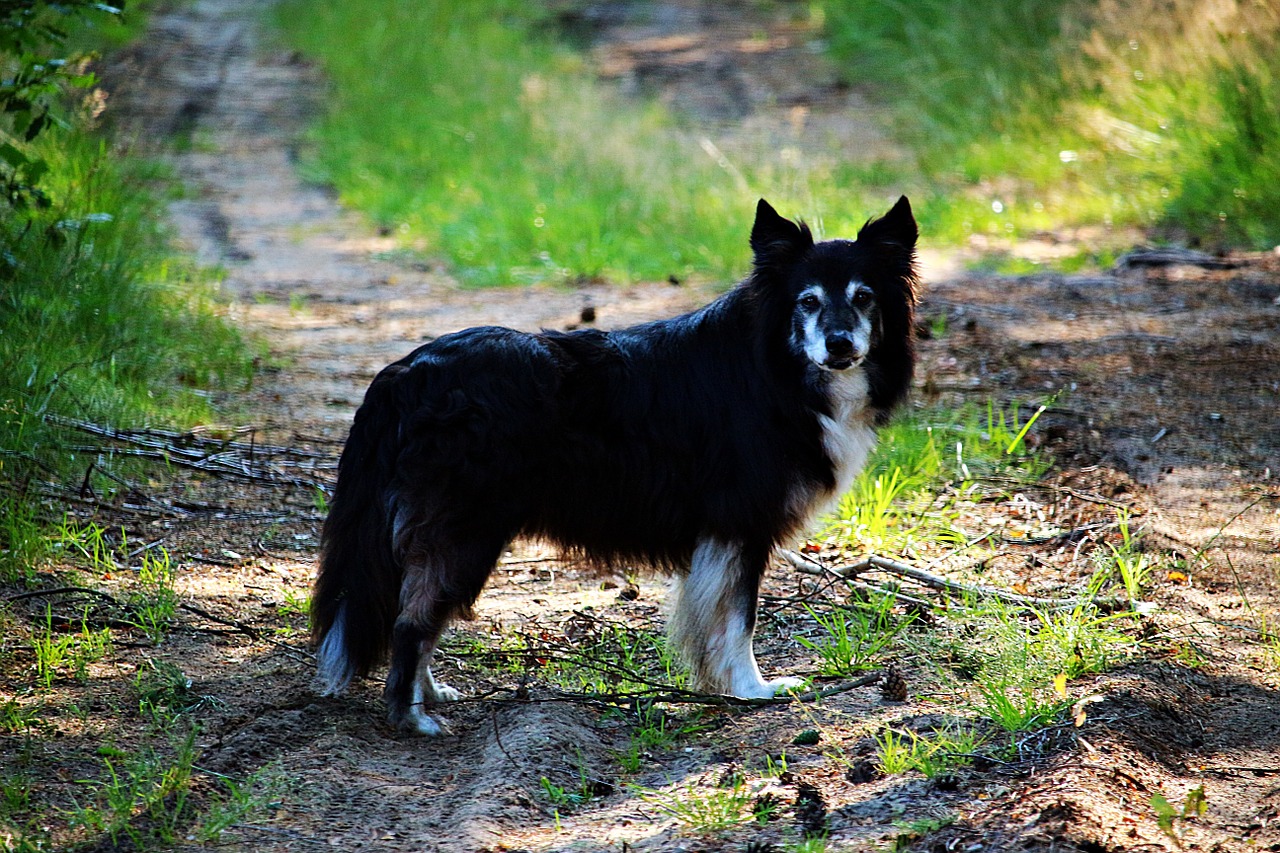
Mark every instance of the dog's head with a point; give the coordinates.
(846, 298)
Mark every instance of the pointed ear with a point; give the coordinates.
(895, 230)
(892, 238)
(777, 241)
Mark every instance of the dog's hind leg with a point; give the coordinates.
(714, 619)
(427, 604)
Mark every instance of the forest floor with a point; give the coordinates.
(1169, 368)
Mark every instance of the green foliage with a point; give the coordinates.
(479, 138)
(96, 323)
(146, 799)
(36, 72)
(237, 802)
(703, 808)
(612, 657)
(1067, 116)
(1193, 806)
(854, 636)
(656, 729)
(923, 463)
(900, 751)
(582, 790)
(22, 540)
(155, 601)
(1027, 709)
(1133, 568)
(16, 717)
(57, 652)
(165, 692)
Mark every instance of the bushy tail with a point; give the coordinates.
(357, 590)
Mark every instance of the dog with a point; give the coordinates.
(694, 445)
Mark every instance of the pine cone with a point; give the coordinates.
(893, 686)
(811, 810)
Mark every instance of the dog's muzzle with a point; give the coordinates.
(841, 352)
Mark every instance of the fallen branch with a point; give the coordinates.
(676, 696)
(809, 566)
(247, 461)
(107, 597)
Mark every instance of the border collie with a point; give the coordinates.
(694, 445)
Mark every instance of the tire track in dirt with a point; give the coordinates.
(335, 302)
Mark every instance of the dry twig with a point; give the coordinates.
(809, 566)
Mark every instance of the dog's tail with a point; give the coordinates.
(356, 595)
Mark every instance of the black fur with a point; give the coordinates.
(630, 446)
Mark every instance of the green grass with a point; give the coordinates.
(472, 134)
(145, 797)
(155, 601)
(852, 638)
(57, 653)
(704, 808)
(925, 463)
(97, 322)
(1066, 116)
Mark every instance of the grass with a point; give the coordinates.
(1127, 562)
(924, 465)
(565, 181)
(706, 809)
(852, 638)
(145, 798)
(56, 653)
(1068, 117)
(1062, 121)
(898, 752)
(511, 189)
(155, 601)
(97, 322)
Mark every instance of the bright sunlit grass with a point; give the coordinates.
(468, 131)
(1029, 116)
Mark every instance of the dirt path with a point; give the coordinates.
(1159, 359)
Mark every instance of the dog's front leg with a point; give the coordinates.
(714, 619)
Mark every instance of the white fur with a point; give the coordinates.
(332, 666)
(815, 343)
(812, 341)
(848, 434)
(710, 630)
(428, 691)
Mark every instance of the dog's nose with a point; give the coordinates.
(839, 346)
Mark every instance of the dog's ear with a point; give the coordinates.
(777, 241)
(892, 238)
(896, 229)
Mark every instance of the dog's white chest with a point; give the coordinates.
(847, 434)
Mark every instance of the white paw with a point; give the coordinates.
(444, 693)
(422, 723)
(783, 685)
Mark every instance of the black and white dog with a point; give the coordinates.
(694, 445)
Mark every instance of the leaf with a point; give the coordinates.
(1165, 814)
(37, 124)
(1060, 684)
(1196, 803)
(13, 156)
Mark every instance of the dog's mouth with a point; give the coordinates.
(841, 363)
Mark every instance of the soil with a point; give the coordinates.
(1168, 370)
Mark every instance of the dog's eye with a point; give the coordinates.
(862, 298)
(809, 302)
